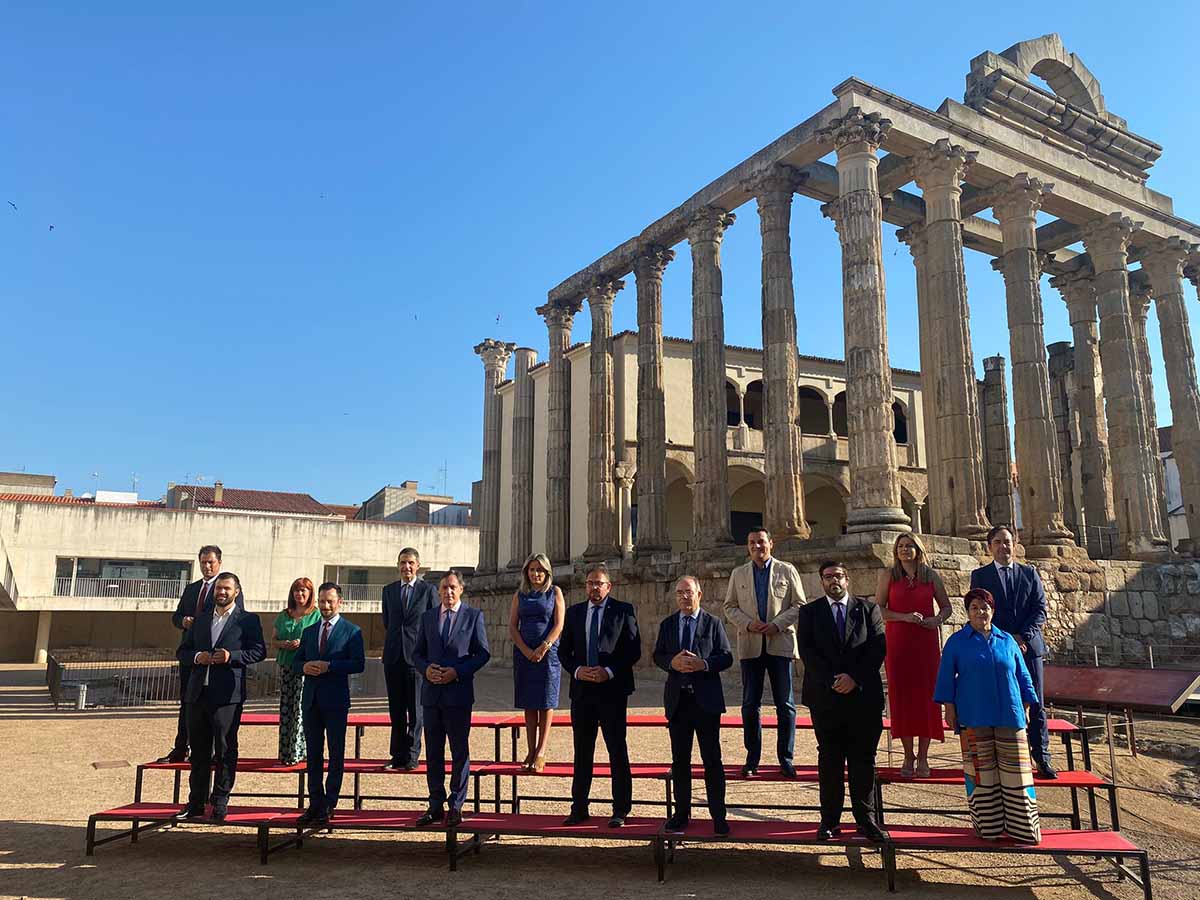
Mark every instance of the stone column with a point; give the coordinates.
(624, 475)
(1016, 204)
(1164, 267)
(941, 513)
(559, 319)
(1139, 308)
(858, 215)
(997, 441)
(41, 644)
(938, 172)
(1061, 364)
(520, 539)
(651, 404)
(1087, 402)
(495, 360)
(1134, 484)
(711, 496)
(782, 446)
(601, 496)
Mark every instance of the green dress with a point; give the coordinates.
(292, 749)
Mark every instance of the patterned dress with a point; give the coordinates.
(292, 748)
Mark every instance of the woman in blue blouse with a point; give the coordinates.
(986, 689)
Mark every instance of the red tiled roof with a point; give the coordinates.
(260, 501)
(342, 509)
(62, 500)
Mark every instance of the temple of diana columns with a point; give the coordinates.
(656, 454)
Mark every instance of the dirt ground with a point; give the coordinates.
(48, 757)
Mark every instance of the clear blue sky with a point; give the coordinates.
(278, 236)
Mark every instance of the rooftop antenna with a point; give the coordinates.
(134, 481)
(443, 471)
(95, 482)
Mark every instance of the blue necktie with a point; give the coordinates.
(688, 624)
(1004, 573)
(446, 628)
(839, 611)
(762, 598)
(594, 637)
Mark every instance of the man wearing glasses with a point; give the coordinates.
(599, 647)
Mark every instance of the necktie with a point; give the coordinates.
(324, 638)
(405, 596)
(762, 598)
(203, 598)
(1004, 573)
(594, 637)
(839, 614)
(446, 627)
(688, 634)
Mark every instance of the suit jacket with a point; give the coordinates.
(711, 645)
(620, 649)
(188, 600)
(345, 655)
(1022, 611)
(242, 636)
(785, 596)
(403, 624)
(466, 652)
(859, 655)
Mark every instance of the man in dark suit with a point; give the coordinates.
(196, 598)
(451, 647)
(330, 651)
(405, 601)
(1020, 611)
(693, 650)
(599, 647)
(841, 640)
(221, 643)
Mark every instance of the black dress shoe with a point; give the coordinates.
(787, 770)
(175, 756)
(219, 813)
(748, 770)
(720, 827)
(1045, 770)
(873, 832)
(430, 817)
(454, 818)
(825, 833)
(393, 765)
(190, 812)
(409, 766)
(616, 821)
(312, 818)
(676, 825)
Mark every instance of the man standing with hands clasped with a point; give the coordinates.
(404, 602)
(331, 650)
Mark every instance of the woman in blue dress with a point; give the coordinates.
(534, 624)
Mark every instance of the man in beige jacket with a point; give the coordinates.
(762, 604)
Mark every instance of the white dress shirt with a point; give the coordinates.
(219, 621)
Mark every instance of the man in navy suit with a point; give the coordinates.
(599, 647)
(221, 643)
(842, 642)
(1021, 612)
(693, 650)
(330, 651)
(404, 602)
(451, 647)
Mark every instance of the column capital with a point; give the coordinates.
(942, 165)
(916, 238)
(623, 474)
(603, 291)
(856, 131)
(494, 354)
(1019, 198)
(774, 185)
(1078, 290)
(1140, 296)
(1164, 264)
(1191, 269)
(1107, 240)
(560, 314)
(708, 224)
(652, 261)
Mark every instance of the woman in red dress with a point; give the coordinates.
(907, 593)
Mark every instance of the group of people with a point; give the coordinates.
(984, 684)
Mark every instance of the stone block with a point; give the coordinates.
(1118, 604)
(1146, 627)
(1162, 630)
(1099, 581)
(1066, 581)
(1178, 628)
(1090, 602)
(1135, 604)
(1116, 579)
(1132, 649)
(1191, 622)
(1114, 625)
(1150, 605)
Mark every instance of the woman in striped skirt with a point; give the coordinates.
(986, 690)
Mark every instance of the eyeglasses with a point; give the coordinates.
(834, 576)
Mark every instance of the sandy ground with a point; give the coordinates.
(48, 756)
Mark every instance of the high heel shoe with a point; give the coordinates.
(527, 763)
(539, 763)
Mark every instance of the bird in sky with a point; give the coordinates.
(51, 227)
(13, 205)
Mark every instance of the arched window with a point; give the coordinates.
(899, 422)
(733, 406)
(840, 426)
(814, 414)
(753, 405)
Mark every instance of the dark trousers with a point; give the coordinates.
(319, 725)
(607, 717)
(181, 729)
(754, 672)
(689, 720)
(846, 742)
(214, 735)
(403, 685)
(442, 722)
(1036, 730)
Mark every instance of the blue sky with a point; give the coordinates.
(278, 235)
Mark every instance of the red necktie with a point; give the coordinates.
(203, 597)
(324, 639)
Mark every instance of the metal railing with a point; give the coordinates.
(125, 588)
(363, 593)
